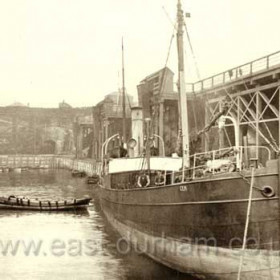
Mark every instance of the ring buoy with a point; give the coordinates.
(143, 181)
(159, 180)
(268, 191)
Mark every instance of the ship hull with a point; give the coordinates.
(203, 262)
(209, 216)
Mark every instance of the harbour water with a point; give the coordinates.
(68, 245)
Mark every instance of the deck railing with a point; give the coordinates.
(240, 72)
(197, 171)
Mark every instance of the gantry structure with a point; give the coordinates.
(251, 94)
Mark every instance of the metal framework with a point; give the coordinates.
(257, 108)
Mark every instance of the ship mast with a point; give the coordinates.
(123, 96)
(183, 120)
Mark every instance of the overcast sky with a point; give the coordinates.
(54, 50)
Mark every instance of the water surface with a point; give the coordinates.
(64, 245)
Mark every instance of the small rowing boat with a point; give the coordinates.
(24, 203)
(77, 173)
(94, 179)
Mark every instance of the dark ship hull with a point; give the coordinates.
(197, 227)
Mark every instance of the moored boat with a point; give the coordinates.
(23, 203)
(77, 173)
(5, 169)
(209, 214)
(94, 179)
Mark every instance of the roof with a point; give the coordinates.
(115, 98)
(17, 104)
(156, 74)
(63, 104)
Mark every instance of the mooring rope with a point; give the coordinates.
(248, 182)
(247, 224)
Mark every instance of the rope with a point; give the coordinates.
(246, 225)
(248, 182)
(167, 58)
(169, 18)
(197, 74)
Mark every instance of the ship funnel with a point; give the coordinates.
(137, 129)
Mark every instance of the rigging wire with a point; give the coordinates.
(169, 48)
(163, 79)
(169, 18)
(192, 106)
(166, 62)
(193, 54)
(198, 76)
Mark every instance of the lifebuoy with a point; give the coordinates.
(143, 181)
(268, 191)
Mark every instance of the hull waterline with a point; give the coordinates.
(203, 262)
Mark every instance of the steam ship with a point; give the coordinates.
(211, 215)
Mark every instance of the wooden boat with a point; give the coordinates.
(94, 179)
(17, 169)
(209, 215)
(25, 168)
(77, 173)
(5, 169)
(23, 203)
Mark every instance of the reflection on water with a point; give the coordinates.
(64, 245)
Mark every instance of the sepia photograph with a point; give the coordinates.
(139, 140)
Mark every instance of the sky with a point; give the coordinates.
(55, 50)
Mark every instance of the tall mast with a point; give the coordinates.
(123, 96)
(181, 87)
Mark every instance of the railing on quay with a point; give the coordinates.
(233, 74)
